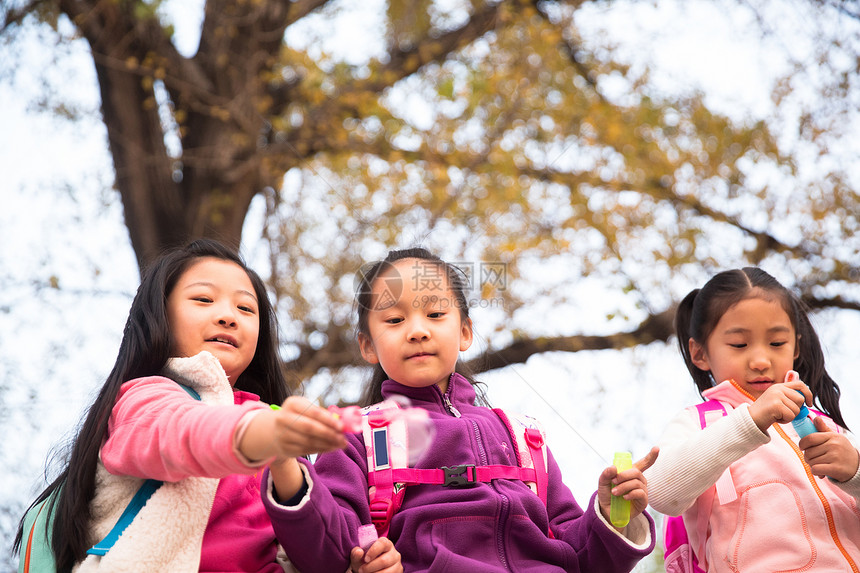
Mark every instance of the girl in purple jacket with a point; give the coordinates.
(413, 322)
(203, 319)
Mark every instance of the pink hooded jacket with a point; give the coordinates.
(208, 515)
(767, 512)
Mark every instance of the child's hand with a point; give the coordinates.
(298, 428)
(830, 454)
(381, 556)
(629, 484)
(303, 428)
(779, 403)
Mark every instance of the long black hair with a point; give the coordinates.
(367, 275)
(144, 351)
(701, 310)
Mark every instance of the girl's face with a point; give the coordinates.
(416, 331)
(754, 344)
(213, 307)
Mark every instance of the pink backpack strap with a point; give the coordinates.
(680, 556)
(451, 476)
(709, 412)
(708, 409)
(388, 473)
(830, 423)
(386, 442)
(530, 450)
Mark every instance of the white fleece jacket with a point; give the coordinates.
(167, 533)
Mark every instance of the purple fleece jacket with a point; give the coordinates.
(488, 527)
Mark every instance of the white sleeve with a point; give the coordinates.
(692, 459)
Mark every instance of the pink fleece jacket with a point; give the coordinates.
(157, 430)
(767, 511)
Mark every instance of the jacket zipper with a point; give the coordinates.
(504, 510)
(482, 454)
(450, 406)
(824, 503)
(500, 541)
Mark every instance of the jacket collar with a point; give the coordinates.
(460, 393)
(204, 373)
(728, 391)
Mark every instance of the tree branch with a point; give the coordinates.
(339, 352)
(430, 49)
(765, 242)
(830, 302)
(16, 15)
(658, 327)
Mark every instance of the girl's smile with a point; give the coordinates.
(213, 307)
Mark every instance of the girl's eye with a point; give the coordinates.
(393, 320)
(778, 343)
(738, 345)
(202, 299)
(246, 309)
(436, 314)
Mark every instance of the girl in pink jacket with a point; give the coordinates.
(755, 495)
(201, 318)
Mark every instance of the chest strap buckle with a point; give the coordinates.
(458, 476)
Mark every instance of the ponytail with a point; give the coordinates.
(684, 329)
(809, 364)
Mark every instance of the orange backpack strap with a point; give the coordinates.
(29, 548)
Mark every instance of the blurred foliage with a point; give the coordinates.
(494, 132)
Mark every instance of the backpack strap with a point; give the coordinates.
(29, 553)
(709, 412)
(830, 423)
(386, 443)
(29, 548)
(680, 556)
(386, 439)
(531, 450)
(135, 505)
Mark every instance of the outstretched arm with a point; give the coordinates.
(297, 428)
(319, 530)
(598, 545)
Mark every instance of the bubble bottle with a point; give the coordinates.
(802, 423)
(619, 508)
